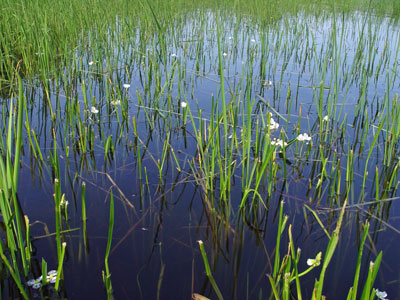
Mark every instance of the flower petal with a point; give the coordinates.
(37, 285)
(31, 282)
(381, 294)
(52, 278)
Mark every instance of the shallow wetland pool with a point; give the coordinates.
(162, 150)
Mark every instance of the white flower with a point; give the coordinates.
(278, 142)
(304, 137)
(174, 55)
(52, 276)
(311, 261)
(117, 102)
(253, 40)
(381, 294)
(229, 38)
(315, 261)
(91, 63)
(325, 118)
(268, 84)
(35, 283)
(273, 125)
(183, 104)
(63, 202)
(127, 85)
(94, 110)
(224, 54)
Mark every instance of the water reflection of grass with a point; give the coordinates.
(283, 76)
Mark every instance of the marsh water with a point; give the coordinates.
(299, 69)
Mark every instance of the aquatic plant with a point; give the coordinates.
(234, 108)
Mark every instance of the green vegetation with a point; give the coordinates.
(252, 103)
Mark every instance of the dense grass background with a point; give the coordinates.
(39, 37)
